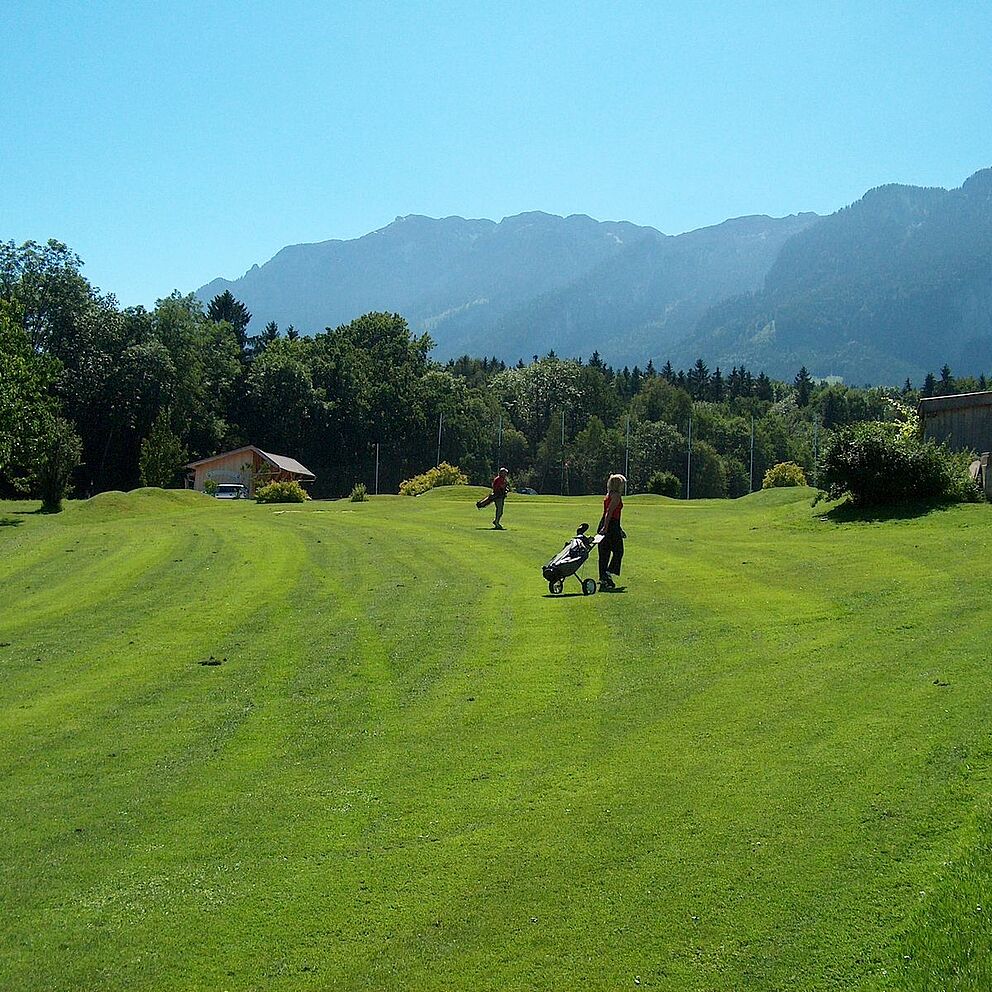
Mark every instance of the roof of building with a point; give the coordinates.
(287, 464)
(282, 462)
(962, 401)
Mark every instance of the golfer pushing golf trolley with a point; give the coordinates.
(569, 560)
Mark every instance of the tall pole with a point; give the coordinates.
(499, 441)
(750, 487)
(377, 468)
(440, 420)
(688, 460)
(816, 454)
(626, 452)
(562, 488)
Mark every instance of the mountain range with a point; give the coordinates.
(894, 285)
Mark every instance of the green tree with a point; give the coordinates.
(56, 459)
(596, 452)
(655, 447)
(225, 307)
(698, 380)
(665, 484)
(162, 454)
(44, 284)
(709, 475)
(804, 387)
(660, 400)
(946, 386)
(27, 403)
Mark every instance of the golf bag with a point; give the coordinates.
(568, 561)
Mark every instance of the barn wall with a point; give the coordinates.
(237, 467)
(964, 427)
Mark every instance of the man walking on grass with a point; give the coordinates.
(498, 496)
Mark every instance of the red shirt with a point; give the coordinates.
(499, 485)
(617, 509)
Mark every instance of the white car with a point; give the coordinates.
(231, 491)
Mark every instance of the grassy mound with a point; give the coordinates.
(359, 746)
(148, 500)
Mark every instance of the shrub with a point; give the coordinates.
(210, 487)
(665, 484)
(282, 492)
(443, 475)
(359, 493)
(879, 463)
(782, 475)
(56, 459)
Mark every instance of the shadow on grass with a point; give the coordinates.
(10, 522)
(848, 513)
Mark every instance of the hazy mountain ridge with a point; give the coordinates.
(437, 273)
(891, 286)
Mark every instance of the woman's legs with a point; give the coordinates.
(617, 557)
(605, 547)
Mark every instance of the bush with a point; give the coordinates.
(359, 493)
(783, 475)
(878, 463)
(282, 492)
(56, 459)
(443, 475)
(210, 487)
(665, 484)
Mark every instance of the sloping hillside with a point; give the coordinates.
(892, 286)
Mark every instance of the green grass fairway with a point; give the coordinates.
(765, 766)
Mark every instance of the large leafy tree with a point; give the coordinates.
(27, 401)
(43, 282)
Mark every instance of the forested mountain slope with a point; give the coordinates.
(892, 286)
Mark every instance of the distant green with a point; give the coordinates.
(764, 766)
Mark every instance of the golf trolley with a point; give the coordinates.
(569, 560)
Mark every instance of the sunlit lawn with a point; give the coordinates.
(763, 766)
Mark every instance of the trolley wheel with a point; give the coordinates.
(588, 587)
(556, 586)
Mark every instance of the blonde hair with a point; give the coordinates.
(616, 484)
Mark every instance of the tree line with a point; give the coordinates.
(128, 395)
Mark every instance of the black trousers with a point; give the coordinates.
(610, 550)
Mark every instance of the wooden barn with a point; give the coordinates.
(964, 422)
(248, 466)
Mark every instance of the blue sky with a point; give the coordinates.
(169, 143)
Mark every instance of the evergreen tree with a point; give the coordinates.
(717, 386)
(763, 388)
(668, 373)
(650, 372)
(804, 387)
(224, 306)
(699, 380)
(982, 383)
(929, 386)
(946, 385)
(907, 387)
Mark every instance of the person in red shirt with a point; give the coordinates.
(611, 546)
(501, 485)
